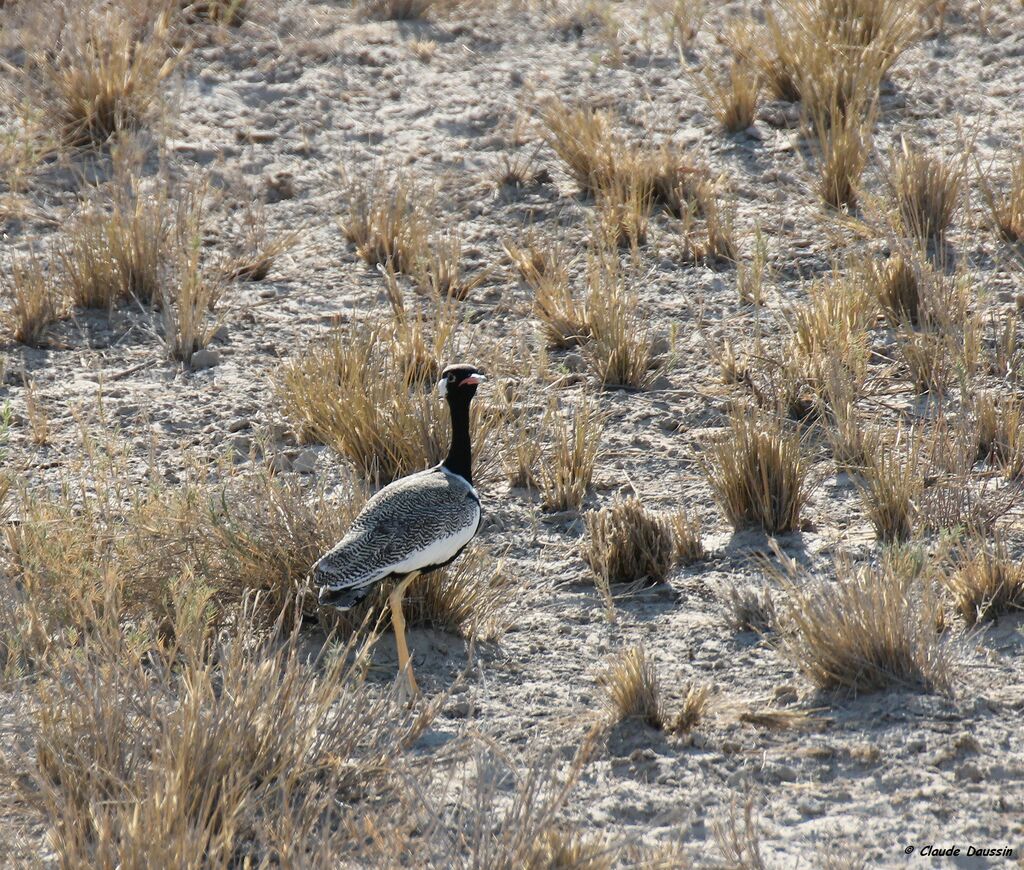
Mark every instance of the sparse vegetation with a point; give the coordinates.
(1007, 206)
(105, 76)
(633, 690)
(626, 543)
(567, 464)
(893, 484)
(212, 353)
(757, 473)
(31, 300)
(750, 609)
(987, 583)
(732, 97)
(872, 628)
(396, 10)
(384, 220)
(926, 189)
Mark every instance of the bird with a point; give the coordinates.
(413, 525)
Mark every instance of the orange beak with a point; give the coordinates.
(472, 380)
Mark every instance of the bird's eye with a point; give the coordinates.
(451, 378)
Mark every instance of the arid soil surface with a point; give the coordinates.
(305, 89)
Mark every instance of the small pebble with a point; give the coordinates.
(305, 462)
(206, 358)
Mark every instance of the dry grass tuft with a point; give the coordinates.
(750, 609)
(620, 348)
(257, 250)
(604, 165)
(627, 543)
(845, 137)
(396, 10)
(1000, 432)
(706, 232)
(987, 584)
(187, 305)
(927, 191)
(185, 759)
(226, 13)
(104, 76)
(695, 705)
(1007, 208)
(368, 392)
(563, 314)
(895, 284)
(32, 300)
(892, 488)
(567, 465)
(757, 473)
(682, 20)
(537, 260)
(686, 530)
(384, 220)
(818, 51)
(124, 245)
(739, 840)
(632, 689)
(584, 140)
(733, 98)
(439, 270)
(871, 628)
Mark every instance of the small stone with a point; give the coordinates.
(460, 709)
(660, 346)
(268, 293)
(969, 771)
(574, 362)
(238, 424)
(754, 133)
(662, 383)
(783, 773)
(280, 185)
(241, 448)
(206, 358)
(280, 433)
(222, 335)
(279, 463)
(305, 462)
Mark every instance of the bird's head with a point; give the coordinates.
(459, 382)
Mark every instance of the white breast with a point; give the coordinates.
(440, 550)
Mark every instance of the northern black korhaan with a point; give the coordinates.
(411, 526)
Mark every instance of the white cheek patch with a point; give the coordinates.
(442, 388)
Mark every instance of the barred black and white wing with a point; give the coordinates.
(417, 523)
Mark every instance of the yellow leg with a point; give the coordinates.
(398, 624)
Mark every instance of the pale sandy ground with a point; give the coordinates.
(320, 89)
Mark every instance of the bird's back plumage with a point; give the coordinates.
(416, 523)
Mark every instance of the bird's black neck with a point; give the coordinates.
(460, 458)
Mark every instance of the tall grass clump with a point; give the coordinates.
(927, 191)
(104, 73)
(31, 299)
(364, 394)
(987, 583)
(566, 465)
(626, 543)
(757, 473)
(245, 753)
(871, 628)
